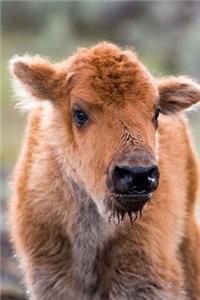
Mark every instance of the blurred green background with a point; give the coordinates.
(166, 35)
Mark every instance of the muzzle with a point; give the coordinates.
(133, 179)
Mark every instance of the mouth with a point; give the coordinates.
(129, 203)
(133, 202)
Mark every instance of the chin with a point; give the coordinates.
(132, 205)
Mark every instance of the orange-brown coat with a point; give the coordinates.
(73, 240)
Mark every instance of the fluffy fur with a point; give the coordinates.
(64, 224)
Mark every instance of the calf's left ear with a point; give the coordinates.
(177, 93)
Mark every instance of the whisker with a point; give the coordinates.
(130, 216)
(136, 215)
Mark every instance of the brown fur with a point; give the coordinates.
(63, 220)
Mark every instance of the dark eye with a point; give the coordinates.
(155, 118)
(157, 112)
(80, 117)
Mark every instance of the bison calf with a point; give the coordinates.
(104, 191)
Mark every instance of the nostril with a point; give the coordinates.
(121, 173)
(153, 175)
(122, 178)
(152, 182)
(152, 171)
(137, 179)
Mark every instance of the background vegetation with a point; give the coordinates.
(164, 33)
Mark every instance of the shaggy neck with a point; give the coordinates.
(88, 241)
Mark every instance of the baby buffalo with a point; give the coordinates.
(104, 193)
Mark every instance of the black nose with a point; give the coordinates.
(137, 179)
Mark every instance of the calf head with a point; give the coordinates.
(106, 105)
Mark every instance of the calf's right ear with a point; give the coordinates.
(177, 93)
(36, 76)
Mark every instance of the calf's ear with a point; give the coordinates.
(177, 93)
(36, 77)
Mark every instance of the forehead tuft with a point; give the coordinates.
(111, 72)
